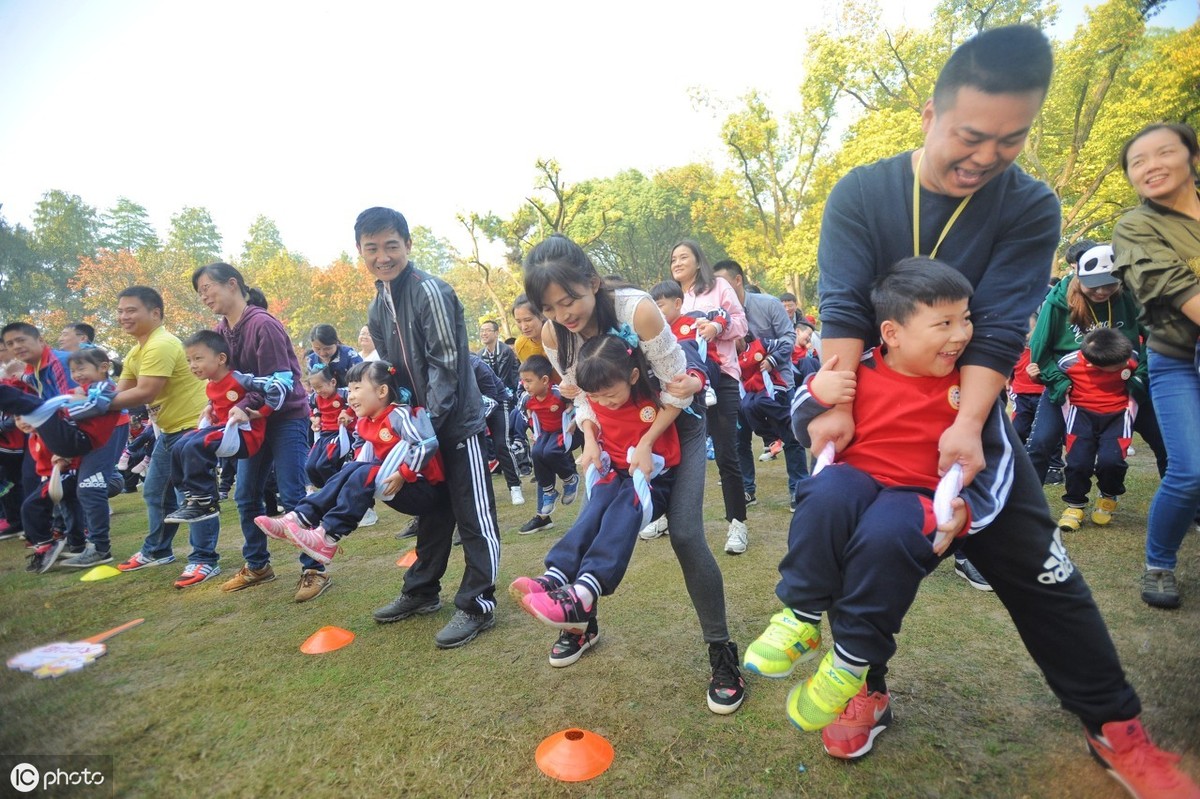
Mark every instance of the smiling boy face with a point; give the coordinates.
(930, 342)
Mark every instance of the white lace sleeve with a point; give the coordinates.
(583, 408)
(667, 359)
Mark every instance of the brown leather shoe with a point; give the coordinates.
(312, 584)
(247, 577)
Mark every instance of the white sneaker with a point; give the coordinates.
(654, 529)
(518, 498)
(767, 455)
(738, 538)
(369, 518)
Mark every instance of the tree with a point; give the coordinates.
(126, 226)
(495, 279)
(194, 235)
(431, 252)
(340, 294)
(263, 244)
(65, 229)
(24, 285)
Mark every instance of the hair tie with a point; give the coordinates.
(392, 371)
(626, 334)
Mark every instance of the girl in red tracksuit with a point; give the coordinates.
(636, 432)
(397, 461)
(330, 412)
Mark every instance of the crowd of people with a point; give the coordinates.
(935, 311)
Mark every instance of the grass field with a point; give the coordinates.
(212, 697)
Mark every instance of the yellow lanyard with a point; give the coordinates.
(1092, 308)
(917, 212)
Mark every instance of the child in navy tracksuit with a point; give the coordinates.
(547, 413)
(864, 533)
(78, 428)
(639, 440)
(766, 403)
(1025, 389)
(396, 460)
(1099, 414)
(330, 415)
(194, 456)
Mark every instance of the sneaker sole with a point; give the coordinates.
(1112, 772)
(971, 582)
(734, 550)
(561, 663)
(573, 627)
(464, 641)
(66, 564)
(807, 656)
(535, 530)
(424, 610)
(176, 520)
(725, 710)
(216, 570)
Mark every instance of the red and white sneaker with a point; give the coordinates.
(1146, 771)
(277, 528)
(196, 573)
(313, 542)
(853, 733)
(561, 608)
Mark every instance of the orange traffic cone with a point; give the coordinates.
(326, 639)
(407, 559)
(574, 755)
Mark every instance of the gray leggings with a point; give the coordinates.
(686, 515)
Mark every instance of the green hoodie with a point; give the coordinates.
(1055, 336)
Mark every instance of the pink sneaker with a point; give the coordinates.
(313, 542)
(276, 528)
(523, 586)
(559, 608)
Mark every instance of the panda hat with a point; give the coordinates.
(1096, 267)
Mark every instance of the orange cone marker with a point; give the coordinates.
(407, 559)
(326, 639)
(574, 755)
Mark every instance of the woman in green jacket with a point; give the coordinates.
(1091, 298)
(1158, 257)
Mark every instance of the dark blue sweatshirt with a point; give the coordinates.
(1003, 243)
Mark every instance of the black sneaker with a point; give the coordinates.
(751, 499)
(411, 530)
(1054, 477)
(194, 511)
(1159, 588)
(44, 555)
(966, 570)
(88, 558)
(536, 524)
(462, 628)
(570, 646)
(404, 606)
(726, 689)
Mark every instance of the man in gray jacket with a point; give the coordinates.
(416, 323)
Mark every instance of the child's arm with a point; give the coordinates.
(96, 401)
(418, 444)
(643, 456)
(986, 495)
(821, 392)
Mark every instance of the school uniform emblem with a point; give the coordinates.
(554, 408)
(337, 403)
(685, 329)
(648, 413)
(758, 356)
(385, 435)
(952, 396)
(1126, 374)
(232, 396)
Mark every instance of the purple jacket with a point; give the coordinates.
(260, 346)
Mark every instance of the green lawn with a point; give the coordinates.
(211, 696)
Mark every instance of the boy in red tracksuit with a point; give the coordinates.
(545, 408)
(194, 457)
(1099, 415)
(765, 398)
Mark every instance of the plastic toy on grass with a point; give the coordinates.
(326, 639)
(574, 755)
(56, 659)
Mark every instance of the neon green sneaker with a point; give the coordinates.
(822, 697)
(786, 642)
(1105, 508)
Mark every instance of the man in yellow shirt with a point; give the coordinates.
(156, 375)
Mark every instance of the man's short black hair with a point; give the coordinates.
(146, 296)
(84, 329)
(1104, 346)
(913, 282)
(20, 327)
(666, 290)
(211, 339)
(378, 219)
(1013, 59)
(536, 365)
(731, 266)
(495, 325)
(787, 296)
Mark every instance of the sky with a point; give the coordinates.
(310, 112)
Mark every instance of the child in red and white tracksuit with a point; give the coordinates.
(330, 414)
